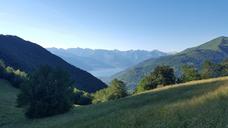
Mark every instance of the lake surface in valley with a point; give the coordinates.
(104, 73)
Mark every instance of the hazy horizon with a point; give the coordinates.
(107, 49)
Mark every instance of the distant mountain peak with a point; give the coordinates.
(215, 44)
(10, 36)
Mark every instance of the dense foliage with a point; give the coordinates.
(16, 77)
(162, 75)
(224, 68)
(147, 83)
(212, 70)
(47, 92)
(82, 97)
(116, 90)
(189, 73)
(209, 70)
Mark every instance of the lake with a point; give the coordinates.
(101, 73)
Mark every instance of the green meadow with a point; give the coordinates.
(196, 104)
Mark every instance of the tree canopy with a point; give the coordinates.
(116, 90)
(162, 75)
(47, 92)
(189, 73)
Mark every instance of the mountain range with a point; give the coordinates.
(215, 50)
(104, 63)
(27, 56)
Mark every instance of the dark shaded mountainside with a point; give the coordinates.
(215, 50)
(27, 56)
(94, 59)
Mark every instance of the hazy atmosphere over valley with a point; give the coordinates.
(113, 64)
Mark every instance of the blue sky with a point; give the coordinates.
(167, 25)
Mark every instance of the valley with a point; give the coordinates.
(104, 63)
(161, 99)
(106, 72)
(113, 64)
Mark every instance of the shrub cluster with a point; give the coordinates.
(116, 90)
(164, 75)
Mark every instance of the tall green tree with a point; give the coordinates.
(189, 73)
(162, 75)
(224, 68)
(47, 92)
(210, 70)
(116, 90)
(147, 83)
(207, 69)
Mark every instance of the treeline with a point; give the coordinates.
(164, 75)
(15, 77)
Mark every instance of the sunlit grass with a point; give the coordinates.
(196, 104)
(195, 82)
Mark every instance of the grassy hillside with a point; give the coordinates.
(215, 50)
(198, 104)
(8, 112)
(28, 56)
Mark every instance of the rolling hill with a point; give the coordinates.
(27, 56)
(197, 104)
(215, 50)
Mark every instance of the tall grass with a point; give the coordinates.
(197, 104)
